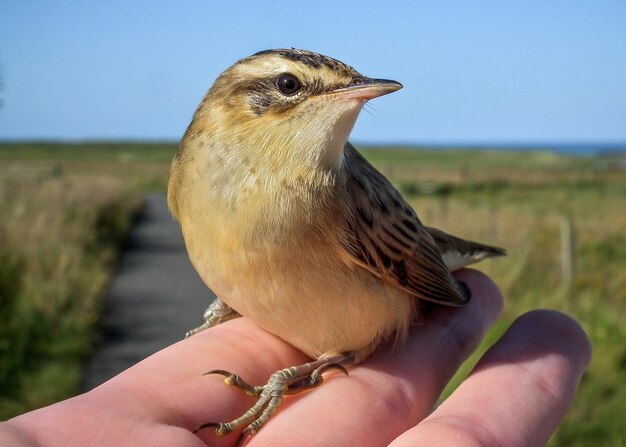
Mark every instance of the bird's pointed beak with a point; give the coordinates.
(365, 89)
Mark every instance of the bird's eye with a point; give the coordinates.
(288, 84)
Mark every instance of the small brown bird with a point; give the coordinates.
(291, 227)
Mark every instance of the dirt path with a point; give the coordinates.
(155, 297)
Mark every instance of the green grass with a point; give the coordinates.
(59, 238)
(93, 152)
(523, 213)
(143, 166)
(512, 199)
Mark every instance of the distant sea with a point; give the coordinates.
(587, 148)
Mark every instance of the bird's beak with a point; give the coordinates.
(365, 89)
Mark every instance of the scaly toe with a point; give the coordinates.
(270, 396)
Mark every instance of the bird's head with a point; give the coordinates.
(287, 105)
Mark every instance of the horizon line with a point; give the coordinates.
(530, 143)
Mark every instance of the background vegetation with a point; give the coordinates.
(59, 236)
(59, 232)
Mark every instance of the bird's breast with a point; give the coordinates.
(280, 265)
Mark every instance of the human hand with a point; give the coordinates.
(515, 396)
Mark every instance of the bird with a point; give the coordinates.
(294, 229)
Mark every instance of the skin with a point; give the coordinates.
(516, 395)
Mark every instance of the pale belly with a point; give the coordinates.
(309, 297)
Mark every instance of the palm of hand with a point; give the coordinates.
(516, 395)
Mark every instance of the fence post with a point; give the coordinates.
(464, 173)
(443, 209)
(493, 223)
(567, 250)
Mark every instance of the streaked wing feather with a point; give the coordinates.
(385, 236)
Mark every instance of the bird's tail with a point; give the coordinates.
(458, 253)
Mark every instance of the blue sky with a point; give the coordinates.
(474, 71)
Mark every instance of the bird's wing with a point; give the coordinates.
(384, 235)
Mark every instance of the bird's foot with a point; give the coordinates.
(218, 312)
(286, 381)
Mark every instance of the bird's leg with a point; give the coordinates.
(218, 312)
(285, 381)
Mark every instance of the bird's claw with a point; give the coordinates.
(236, 381)
(286, 381)
(337, 366)
(221, 372)
(245, 434)
(221, 429)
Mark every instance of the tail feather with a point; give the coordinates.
(458, 253)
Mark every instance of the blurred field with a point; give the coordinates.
(59, 236)
(518, 200)
(521, 201)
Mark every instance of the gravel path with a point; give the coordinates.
(155, 297)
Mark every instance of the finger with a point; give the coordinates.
(518, 392)
(160, 400)
(394, 389)
(170, 388)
